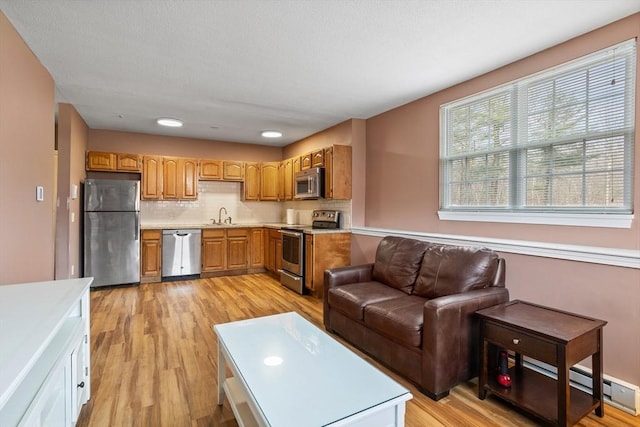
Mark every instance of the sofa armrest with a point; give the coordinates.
(450, 336)
(343, 276)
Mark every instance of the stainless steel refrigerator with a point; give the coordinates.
(112, 231)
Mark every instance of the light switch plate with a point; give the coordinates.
(39, 193)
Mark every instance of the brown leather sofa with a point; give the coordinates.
(413, 308)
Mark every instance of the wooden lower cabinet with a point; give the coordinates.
(256, 248)
(231, 251)
(214, 251)
(273, 251)
(237, 249)
(324, 251)
(151, 256)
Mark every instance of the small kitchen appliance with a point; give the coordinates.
(309, 184)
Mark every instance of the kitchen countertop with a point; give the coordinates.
(276, 225)
(31, 314)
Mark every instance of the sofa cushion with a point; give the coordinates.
(399, 319)
(351, 299)
(448, 270)
(398, 262)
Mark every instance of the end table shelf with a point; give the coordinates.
(552, 336)
(537, 394)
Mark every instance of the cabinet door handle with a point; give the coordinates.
(516, 341)
(81, 385)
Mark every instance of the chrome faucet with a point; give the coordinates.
(220, 214)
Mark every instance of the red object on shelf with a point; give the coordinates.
(504, 379)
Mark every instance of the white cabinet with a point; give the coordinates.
(44, 330)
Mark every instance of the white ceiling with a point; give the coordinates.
(230, 69)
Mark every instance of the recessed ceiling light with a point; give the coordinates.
(271, 134)
(168, 121)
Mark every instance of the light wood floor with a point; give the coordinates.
(153, 356)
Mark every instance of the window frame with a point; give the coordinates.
(516, 210)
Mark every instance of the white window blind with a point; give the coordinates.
(557, 141)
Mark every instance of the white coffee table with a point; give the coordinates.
(287, 372)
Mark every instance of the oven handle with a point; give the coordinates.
(290, 233)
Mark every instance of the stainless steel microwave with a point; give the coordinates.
(309, 184)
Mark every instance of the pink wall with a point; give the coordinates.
(130, 142)
(402, 194)
(339, 134)
(72, 145)
(351, 132)
(27, 141)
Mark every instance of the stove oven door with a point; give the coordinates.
(293, 251)
(292, 272)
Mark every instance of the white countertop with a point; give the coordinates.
(30, 316)
(277, 225)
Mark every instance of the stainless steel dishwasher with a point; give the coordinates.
(180, 252)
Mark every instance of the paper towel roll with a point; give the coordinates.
(291, 216)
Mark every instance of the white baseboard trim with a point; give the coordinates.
(592, 254)
(618, 393)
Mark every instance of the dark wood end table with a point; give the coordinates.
(552, 336)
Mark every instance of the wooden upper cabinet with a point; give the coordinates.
(128, 162)
(170, 178)
(113, 162)
(288, 179)
(269, 181)
(188, 169)
(232, 170)
(179, 178)
(297, 165)
(337, 172)
(151, 178)
(305, 161)
(210, 169)
(251, 181)
(100, 161)
(281, 180)
(317, 158)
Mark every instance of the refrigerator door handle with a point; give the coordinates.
(136, 229)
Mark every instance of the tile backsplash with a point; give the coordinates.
(214, 195)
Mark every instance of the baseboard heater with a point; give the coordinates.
(618, 393)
